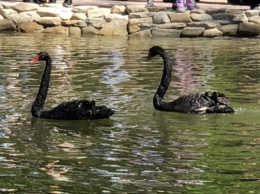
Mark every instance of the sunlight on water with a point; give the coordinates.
(139, 149)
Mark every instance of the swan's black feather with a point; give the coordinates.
(72, 110)
(201, 103)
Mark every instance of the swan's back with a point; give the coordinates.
(78, 110)
(201, 103)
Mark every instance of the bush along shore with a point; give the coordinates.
(138, 21)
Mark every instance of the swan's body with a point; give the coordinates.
(72, 110)
(208, 102)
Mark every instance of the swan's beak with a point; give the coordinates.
(35, 59)
(149, 57)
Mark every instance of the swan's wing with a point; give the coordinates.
(208, 102)
(73, 110)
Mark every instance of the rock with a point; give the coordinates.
(79, 16)
(83, 9)
(160, 18)
(248, 29)
(235, 12)
(143, 33)
(23, 7)
(156, 9)
(9, 5)
(98, 12)
(229, 30)
(80, 24)
(49, 21)
(180, 17)
(66, 15)
(158, 32)
(110, 17)
(6, 12)
(48, 12)
(240, 18)
(33, 14)
(96, 22)
(117, 27)
(141, 15)
(89, 30)
(119, 9)
(74, 31)
(200, 17)
(136, 9)
(192, 32)
(57, 30)
(252, 13)
(21, 17)
(132, 28)
(255, 19)
(222, 16)
(145, 26)
(30, 27)
(140, 21)
(198, 11)
(204, 24)
(7, 25)
(222, 22)
(212, 33)
(176, 26)
(73, 23)
(214, 11)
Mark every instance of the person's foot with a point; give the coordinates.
(67, 3)
(254, 7)
(150, 3)
(174, 7)
(181, 9)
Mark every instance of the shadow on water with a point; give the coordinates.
(43, 127)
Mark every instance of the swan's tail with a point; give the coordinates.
(102, 112)
(220, 101)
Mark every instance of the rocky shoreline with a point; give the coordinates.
(130, 20)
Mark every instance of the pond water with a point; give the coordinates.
(139, 149)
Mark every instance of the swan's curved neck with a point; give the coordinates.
(165, 81)
(37, 107)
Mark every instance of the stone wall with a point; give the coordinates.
(131, 20)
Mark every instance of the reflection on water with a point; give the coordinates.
(138, 150)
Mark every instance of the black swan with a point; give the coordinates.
(208, 102)
(72, 110)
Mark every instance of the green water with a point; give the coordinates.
(139, 149)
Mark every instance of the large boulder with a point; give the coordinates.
(117, 27)
(180, 17)
(57, 30)
(30, 27)
(192, 32)
(23, 7)
(229, 30)
(7, 25)
(158, 32)
(248, 29)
